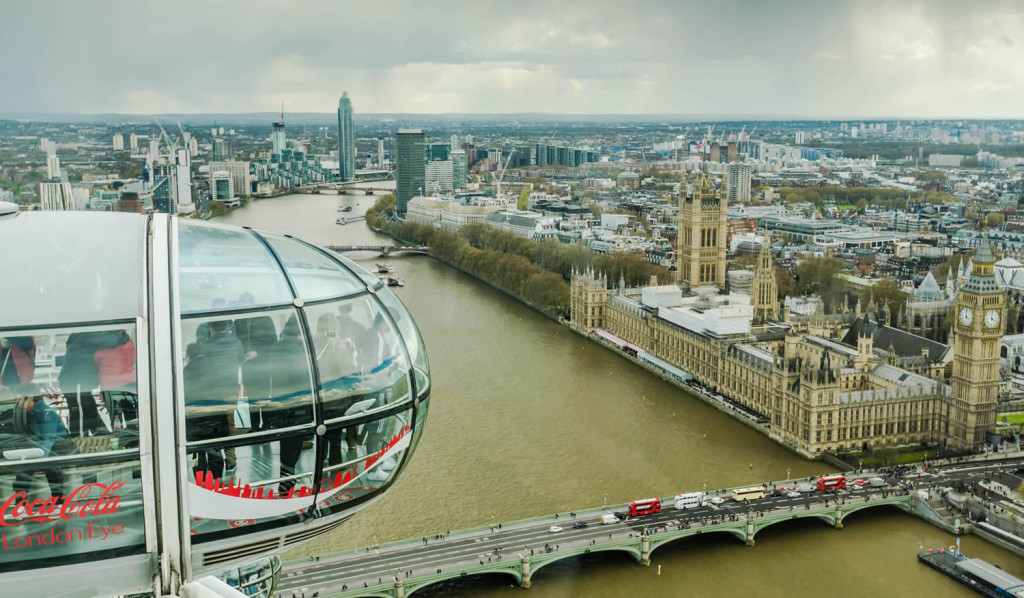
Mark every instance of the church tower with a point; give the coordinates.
(764, 291)
(700, 258)
(980, 315)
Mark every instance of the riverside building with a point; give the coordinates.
(813, 389)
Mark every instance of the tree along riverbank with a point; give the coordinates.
(537, 271)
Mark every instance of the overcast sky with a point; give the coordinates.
(899, 58)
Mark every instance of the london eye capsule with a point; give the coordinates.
(179, 398)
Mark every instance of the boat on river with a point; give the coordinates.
(383, 268)
(982, 577)
(392, 281)
(345, 209)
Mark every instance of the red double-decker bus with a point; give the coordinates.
(644, 507)
(832, 482)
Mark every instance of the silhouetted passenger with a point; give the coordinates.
(290, 395)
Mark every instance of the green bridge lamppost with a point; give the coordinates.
(604, 502)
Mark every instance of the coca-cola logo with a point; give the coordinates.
(88, 500)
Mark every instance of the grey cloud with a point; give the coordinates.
(805, 57)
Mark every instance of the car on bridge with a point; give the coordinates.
(717, 500)
(860, 483)
(793, 494)
(580, 525)
(554, 529)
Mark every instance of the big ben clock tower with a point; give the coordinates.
(980, 314)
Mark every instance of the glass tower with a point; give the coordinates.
(411, 173)
(346, 140)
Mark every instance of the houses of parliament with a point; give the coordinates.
(823, 383)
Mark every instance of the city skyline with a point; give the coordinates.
(800, 60)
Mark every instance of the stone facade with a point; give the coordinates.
(816, 394)
(703, 218)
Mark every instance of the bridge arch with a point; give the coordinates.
(512, 568)
(736, 531)
(538, 562)
(854, 507)
(828, 518)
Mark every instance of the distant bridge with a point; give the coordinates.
(342, 188)
(519, 549)
(384, 250)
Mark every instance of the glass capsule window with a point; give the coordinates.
(297, 384)
(293, 386)
(221, 266)
(69, 445)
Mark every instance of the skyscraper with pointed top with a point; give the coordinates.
(346, 140)
(277, 133)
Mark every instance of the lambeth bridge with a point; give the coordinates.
(341, 189)
(383, 250)
(519, 549)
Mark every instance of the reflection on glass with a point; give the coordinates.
(411, 336)
(361, 272)
(359, 356)
(98, 512)
(218, 263)
(245, 374)
(67, 391)
(68, 409)
(262, 475)
(315, 275)
(365, 456)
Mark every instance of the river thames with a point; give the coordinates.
(527, 418)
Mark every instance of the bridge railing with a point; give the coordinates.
(667, 502)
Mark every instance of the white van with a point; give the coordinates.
(690, 500)
(609, 518)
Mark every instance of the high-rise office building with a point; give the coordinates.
(118, 142)
(222, 186)
(154, 149)
(455, 143)
(437, 151)
(738, 176)
(222, 149)
(460, 169)
(380, 152)
(439, 175)
(798, 138)
(410, 166)
(183, 177)
(52, 167)
(346, 140)
(56, 195)
(240, 175)
(133, 142)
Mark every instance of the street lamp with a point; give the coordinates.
(788, 472)
(705, 484)
(604, 502)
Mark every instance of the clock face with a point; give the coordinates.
(991, 318)
(966, 316)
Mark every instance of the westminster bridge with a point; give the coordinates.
(519, 549)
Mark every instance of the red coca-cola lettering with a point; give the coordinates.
(82, 502)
